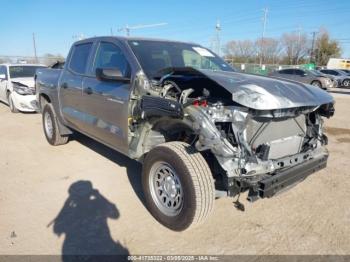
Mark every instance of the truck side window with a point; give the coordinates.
(80, 57)
(3, 71)
(111, 56)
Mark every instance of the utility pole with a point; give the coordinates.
(112, 31)
(312, 46)
(34, 46)
(299, 44)
(218, 42)
(265, 10)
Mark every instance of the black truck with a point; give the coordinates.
(200, 129)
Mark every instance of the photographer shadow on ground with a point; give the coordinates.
(83, 221)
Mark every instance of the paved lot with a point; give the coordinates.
(40, 215)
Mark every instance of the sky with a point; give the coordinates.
(57, 24)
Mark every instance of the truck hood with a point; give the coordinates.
(259, 92)
(27, 81)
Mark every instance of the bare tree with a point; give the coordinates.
(295, 47)
(271, 50)
(243, 51)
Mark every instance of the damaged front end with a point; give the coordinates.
(253, 135)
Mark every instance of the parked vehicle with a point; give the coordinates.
(304, 76)
(17, 86)
(342, 78)
(335, 63)
(346, 71)
(199, 128)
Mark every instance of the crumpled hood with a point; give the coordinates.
(264, 93)
(28, 81)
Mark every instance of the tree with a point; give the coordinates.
(242, 51)
(295, 46)
(270, 50)
(326, 48)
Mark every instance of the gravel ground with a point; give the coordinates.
(43, 208)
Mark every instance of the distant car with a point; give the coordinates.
(342, 77)
(311, 77)
(345, 71)
(17, 86)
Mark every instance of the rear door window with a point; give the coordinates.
(80, 57)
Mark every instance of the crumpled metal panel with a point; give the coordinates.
(264, 93)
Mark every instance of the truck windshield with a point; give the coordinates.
(23, 71)
(156, 55)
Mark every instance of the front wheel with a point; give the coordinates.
(178, 185)
(50, 126)
(11, 104)
(316, 83)
(346, 83)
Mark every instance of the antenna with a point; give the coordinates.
(127, 28)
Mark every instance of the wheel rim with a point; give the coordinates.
(48, 125)
(316, 84)
(347, 83)
(166, 189)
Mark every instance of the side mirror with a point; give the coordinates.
(111, 74)
(2, 76)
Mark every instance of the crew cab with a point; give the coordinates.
(200, 129)
(17, 86)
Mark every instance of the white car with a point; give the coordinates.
(17, 86)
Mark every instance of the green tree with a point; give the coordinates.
(326, 48)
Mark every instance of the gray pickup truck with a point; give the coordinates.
(200, 129)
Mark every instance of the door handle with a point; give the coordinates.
(88, 90)
(64, 85)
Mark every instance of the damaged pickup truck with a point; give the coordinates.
(200, 129)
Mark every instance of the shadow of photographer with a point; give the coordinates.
(83, 221)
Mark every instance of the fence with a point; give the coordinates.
(266, 69)
(43, 60)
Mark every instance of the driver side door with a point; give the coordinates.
(106, 102)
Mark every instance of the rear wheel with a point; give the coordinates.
(11, 104)
(178, 185)
(316, 83)
(50, 127)
(346, 83)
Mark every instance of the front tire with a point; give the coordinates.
(346, 83)
(178, 185)
(50, 126)
(12, 106)
(316, 83)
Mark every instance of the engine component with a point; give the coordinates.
(151, 106)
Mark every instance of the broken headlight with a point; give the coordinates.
(22, 89)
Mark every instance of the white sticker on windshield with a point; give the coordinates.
(202, 51)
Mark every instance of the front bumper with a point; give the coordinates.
(283, 180)
(25, 103)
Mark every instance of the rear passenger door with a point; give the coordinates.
(106, 102)
(70, 85)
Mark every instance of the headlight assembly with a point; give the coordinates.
(22, 89)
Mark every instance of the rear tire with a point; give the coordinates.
(12, 106)
(50, 126)
(176, 173)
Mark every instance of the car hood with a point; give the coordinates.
(265, 93)
(28, 81)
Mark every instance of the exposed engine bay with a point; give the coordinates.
(246, 132)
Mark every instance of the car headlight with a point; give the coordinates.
(22, 89)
